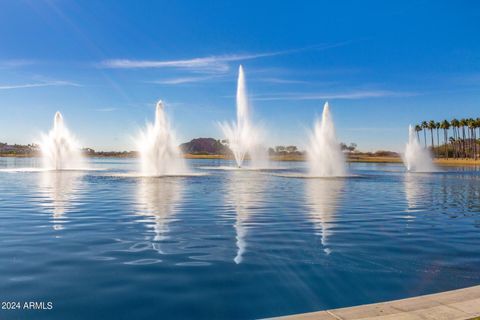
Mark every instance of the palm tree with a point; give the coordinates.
(418, 128)
(452, 141)
(455, 123)
(468, 140)
(431, 126)
(463, 123)
(464, 141)
(471, 139)
(445, 125)
(424, 125)
(477, 126)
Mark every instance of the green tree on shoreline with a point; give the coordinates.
(460, 139)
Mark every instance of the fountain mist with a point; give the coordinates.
(159, 152)
(244, 138)
(325, 158)
(60, 150)
(417, 158)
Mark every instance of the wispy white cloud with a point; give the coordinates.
(183, 80)
(15, 63)
(282, 81)
(348, 95)
(38, 84)
(209, 64)
(213, 64)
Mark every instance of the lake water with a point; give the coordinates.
(231, 244)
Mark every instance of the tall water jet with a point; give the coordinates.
(243, 137)
(60, 150)
(416, 158)
(159, 152)
(325, 157)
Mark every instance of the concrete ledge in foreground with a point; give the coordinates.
(457, 304)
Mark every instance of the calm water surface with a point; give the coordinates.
(231, 244)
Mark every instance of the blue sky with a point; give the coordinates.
(104, 64)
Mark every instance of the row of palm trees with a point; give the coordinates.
(459, 137)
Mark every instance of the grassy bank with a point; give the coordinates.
(354, 158)
(374, 159)
(297, 157)
(457, 162)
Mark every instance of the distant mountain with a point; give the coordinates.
(204, 146)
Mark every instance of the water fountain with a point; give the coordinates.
(417, 158)
(60, 150)
(244, 137)
(159, 152)
(325, 158)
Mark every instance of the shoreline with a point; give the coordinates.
(351, 159)
(299, 158)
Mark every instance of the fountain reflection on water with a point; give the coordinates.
(159, 152)
(60, 188)
(417, 158)
(245, 194)
(417, 192)
(60, 149)
(322, 197)
(159, 199)
(245, 138)
(448, 193)
(325, 157)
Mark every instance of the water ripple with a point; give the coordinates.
(252, 243)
